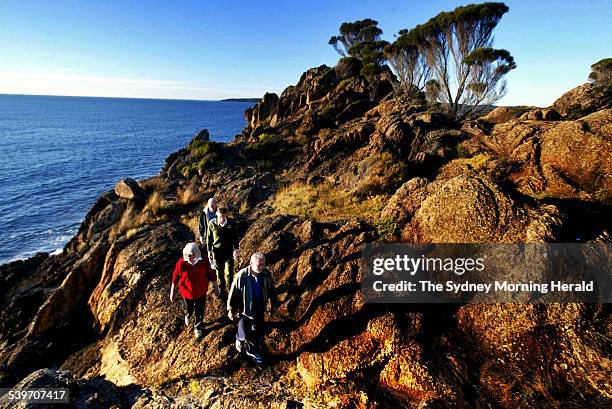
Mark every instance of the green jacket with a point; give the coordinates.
(240, 296)
(219, 238)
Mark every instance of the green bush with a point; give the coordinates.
(202, 155)
(388, 230)
(329, 111)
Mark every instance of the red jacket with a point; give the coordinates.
(193, 280)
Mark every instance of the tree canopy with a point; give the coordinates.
(361, 39)
(451, 57)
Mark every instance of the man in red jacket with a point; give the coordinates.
(192, 274)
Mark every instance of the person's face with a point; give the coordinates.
(189, 257)
(213, 205)
(221, 217)
(258, 265)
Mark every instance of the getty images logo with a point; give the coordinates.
(411, 265)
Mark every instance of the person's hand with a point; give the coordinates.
(201, 240)
(233, 316)
(235, 254)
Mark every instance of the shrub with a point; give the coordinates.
(388, 230)
(191, 221)
(379, 174)
(244, 207)
(154, 184)
(202, 155)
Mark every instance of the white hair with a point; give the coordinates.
(191, 248)
(258, 256)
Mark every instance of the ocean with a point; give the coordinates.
(57, 154)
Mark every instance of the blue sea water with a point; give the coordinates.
(57, 154)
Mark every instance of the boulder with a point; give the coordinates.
(201, 136)
(129, 189)
(546, 114)
(583, 100)
(470, 208)
(567, 159)
(262, 111)
(83, 394)
(107, 217)
(406, 200)
(500, 115)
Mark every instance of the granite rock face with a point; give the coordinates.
(351, 163)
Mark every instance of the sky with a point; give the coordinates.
(212, 49)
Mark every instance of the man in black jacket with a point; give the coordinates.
(222, 244)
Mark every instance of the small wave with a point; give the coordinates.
(63, 239)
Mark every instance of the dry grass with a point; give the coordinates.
(326, 203)
(130, 219)
(244, 207)
(188, 196)
(377, 175)
(191, 221)
(133, 219)
(154, 184)
(156, 202)
(477, 162)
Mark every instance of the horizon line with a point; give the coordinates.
(115, 97)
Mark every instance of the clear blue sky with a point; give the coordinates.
(214, 49)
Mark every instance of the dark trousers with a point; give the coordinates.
(252, 331)
(195, 307)
(225, 270)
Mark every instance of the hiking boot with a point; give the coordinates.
(198, 333)
(255, 356)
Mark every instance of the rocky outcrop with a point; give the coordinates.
(389, 167)
(548, 114)
(567, 159)
(504, 114)
(94, 393)
(583, 100)
(323, 97)
(472, 209)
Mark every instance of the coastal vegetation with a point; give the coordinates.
(203, 154)
(361, 40)
(326, 202)
(449, 60)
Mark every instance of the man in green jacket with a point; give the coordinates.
(249, 294)
(206, 215)
(222, 245)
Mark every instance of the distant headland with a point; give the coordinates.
(241, 100)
